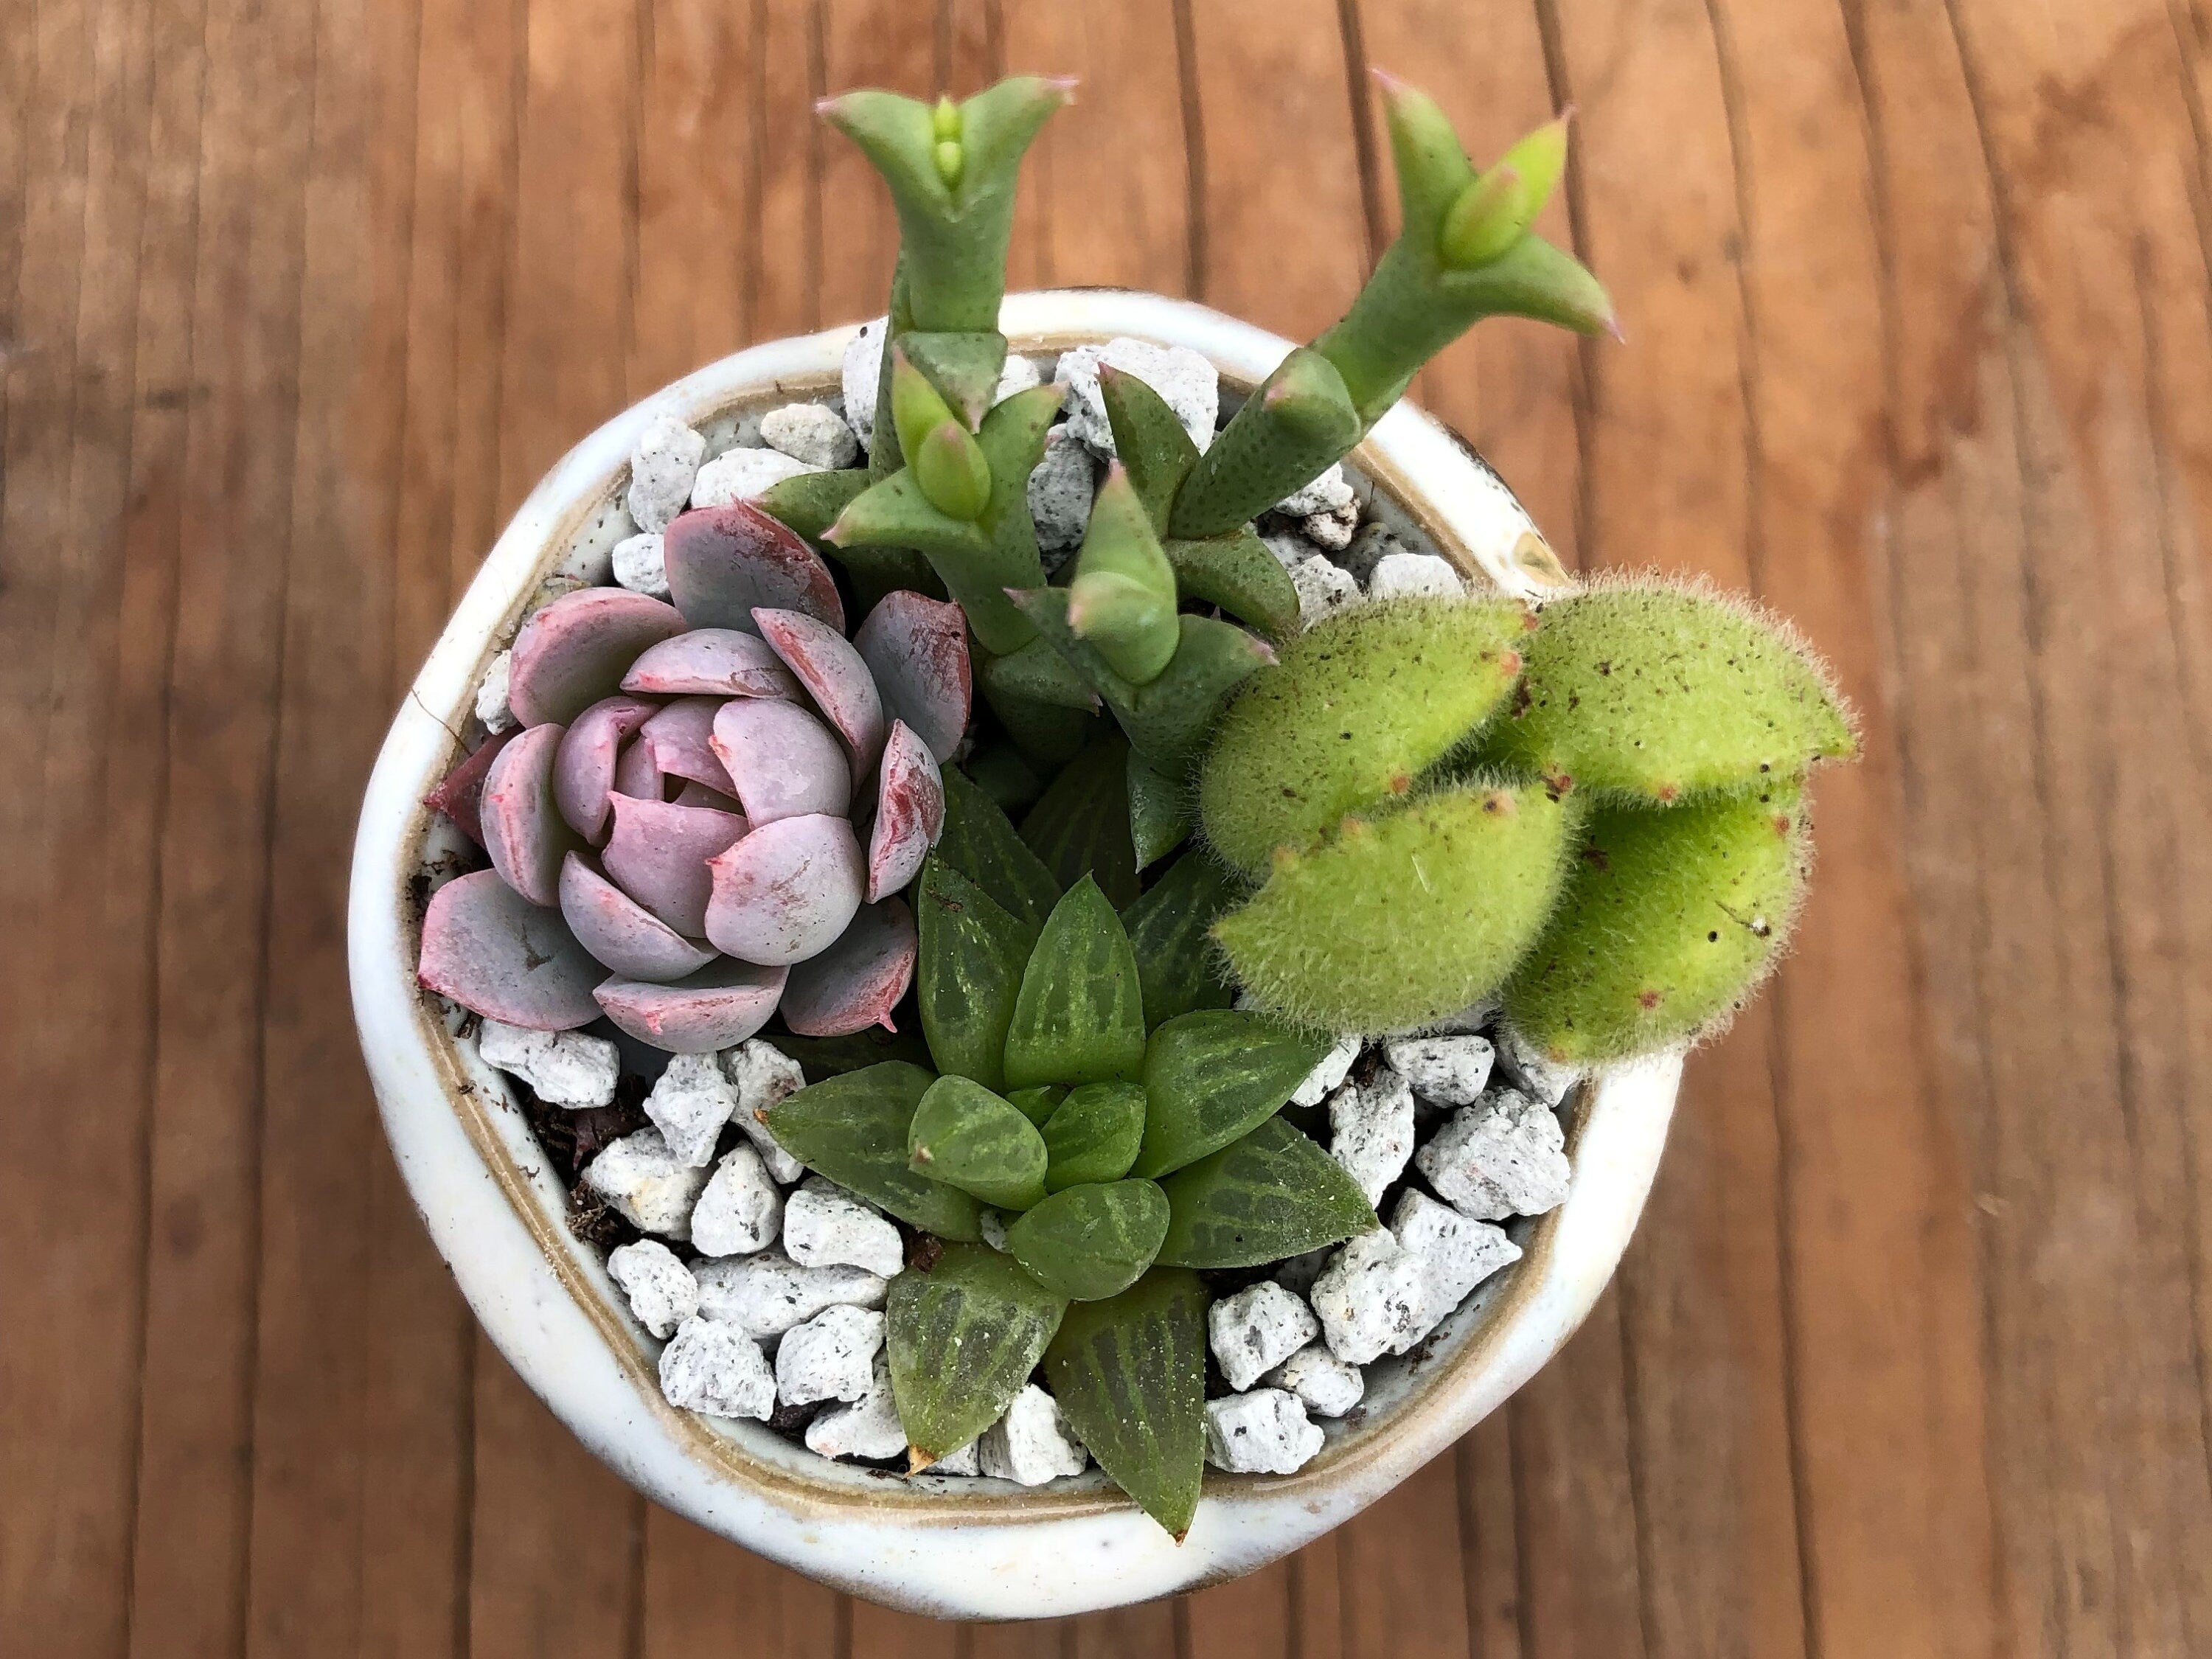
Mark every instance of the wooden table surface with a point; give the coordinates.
(1910, 1355)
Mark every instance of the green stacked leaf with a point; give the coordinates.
(1212, 1077)
(1093, 1134)
(961, 1340)
(1078, 1017)
(965, 1136)
(1130, 1374)
(1272, 1195)
(969, 973)
(1170, 928)
(1092, 1242)
(853, 1128)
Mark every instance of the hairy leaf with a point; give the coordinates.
(966, 1136)
(1210, 1076)
(1094, 1134)
(853, 1128)
(1274, 1193)
(1079, 1018)
(963, 1340)
(968, 973)
(1092, 1242)
(1130, 1374)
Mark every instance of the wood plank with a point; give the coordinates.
(782, 272)
(876, 1631)
(704, 1594)
(865, 43)
(1251, 1614)
(1490, 1571)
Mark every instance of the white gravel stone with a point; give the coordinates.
(714, 1368)
(1324, 1383)
(1032, 1443)
(1255, 1330)
(661, 471)
(768, 1294)
(825, 1226)
(689, 1103)
(1291, 550)
(1506, 1155)
(1020, 374)
(1375, 542)
(741, 474)
(652, 1189)
(1452, 1071)
(764, 1076)
(869, 1427)
(1528, 1070)
(1371, 1130)
(1336, 1065)
(861, 376)
(491, 695)
(831, 1357)
(968, 1460)
(1185, 381)
(1263, 1432)
(1370, 1298)
(1323, 588)
(1333, 529)
(1298, 1272)
(740, 1211)
(1325, 493)
(992, 1224)
(564, 1068)
(812, 434)
(662, 1293)
(1060, 491)
(1399, 573)
(641, 564)
(1456, 1254)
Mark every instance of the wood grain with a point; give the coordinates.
(295, 302)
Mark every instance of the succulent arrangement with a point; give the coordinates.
(1264, 831)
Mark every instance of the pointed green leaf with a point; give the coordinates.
(1169, 929)
(952, 471)
(1496, 211)
(978, 840)
(1092, 1242)
(1211, 1077)
(1048, 734)
(1159, 812)
(967, 971)
(1286, 435)
(918, 408)
(1081, 825)
(1130, 1374)
(1094, 1134)
(1432, 168)
(963, 1340)
(1003, 773)
(1040, 674)
(1275, 1193)
(1237, 573)
(1078, 1018)
(1123, 599)
(1038, 1103)
(811, 503)
(1150, 441)
(963, 367)
(853, 1128)
(966, 1136)
(894, 512)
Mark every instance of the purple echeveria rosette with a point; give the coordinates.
(710, 806)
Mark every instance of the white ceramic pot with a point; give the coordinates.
(939, 1544)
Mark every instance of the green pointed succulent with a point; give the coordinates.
(1122, 601)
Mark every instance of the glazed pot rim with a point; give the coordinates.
(946, 1545)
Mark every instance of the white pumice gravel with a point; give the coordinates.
(1298, 1272)
(741, 1211)
(661, 471)
(1060, 488)
(869, 1427)
(860, 375)
(1528, 1070)
(662, 1293)
(1336, 1065)
(652, 1188)
(1266, 1432)
(563, 1068)
(1186, 383)
(1255, 1330)
(992, 1224)
(689, 1103)
(1032, 1443)
(1370, 1298)
(968, 1460)
(1451, 1071)
(1291, 550)
(825, 1226)
(1371, 1130)
(1506, 1155)
(764, 1076)
(1375, 542)
(768, 1294)
(715, 1368)
(641, 564)
(1323, 588)
(812, 434)
(831, 1357)
(1020, 374)
(1399, 573)
(1334, 528)
(741, 474)
(1456, 1254)
(1325, 1384)
(1326, 494)
(491, 695)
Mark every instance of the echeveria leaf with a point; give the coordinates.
(1039, 1103)
(853, 1128)
(968, 972)
(963, 1338)
(1093, 1241)
(1211, 1077)
(966, 1136)
(1274, 1193)
(1079, 1018)
(1081, 825)
(1177, 961)
(1094, 1135)
(1130, 1374)
(979, 841)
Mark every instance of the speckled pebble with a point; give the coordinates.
(825, 1226)
(1266, 1432)
(1455, 1252)
(1371, 1130)
(741, 1211)
(763, 1075)
(689, 1102)
(1333, 529)
(1324, 495)
(861, 376)
(1397, 574)
(1059, 493)
(831, 1357)
(662, 469)
(869, 1427)
(1335, 1066)
(1255, 1330)
(563, 1068)
(765, 1295)
(1323, 588)
(652, 1187)
(1187, 382)
(1032, 1443)
(491, 695)
(1451, 1071)
(714, 1368)
(1504, 1155)
(1326, 1386)
(1370, 1298)
(742, 474)
(661, 1291)
(640, 566)
(811, 432)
